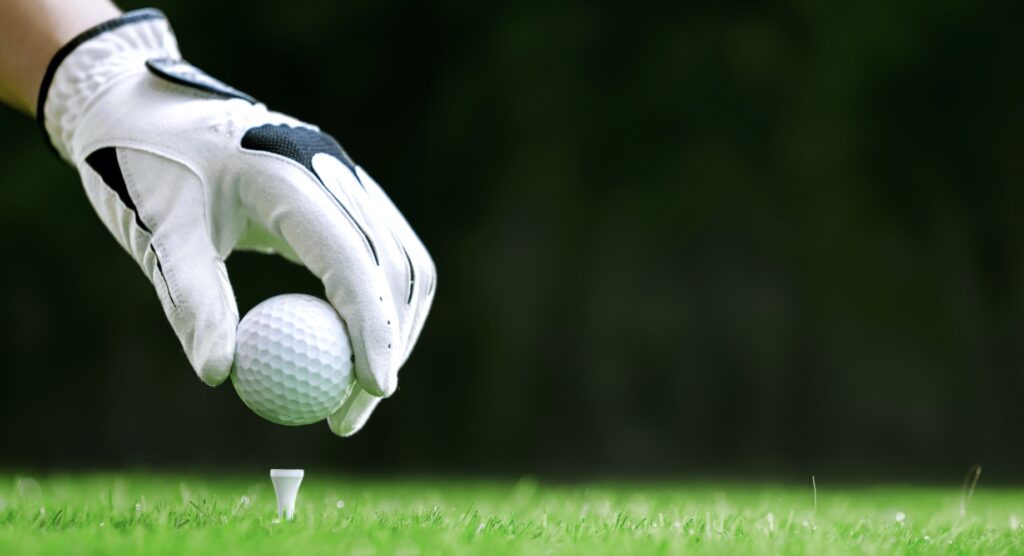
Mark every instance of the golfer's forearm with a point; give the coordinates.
(31, 32)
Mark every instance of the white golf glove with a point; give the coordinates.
(183, 169)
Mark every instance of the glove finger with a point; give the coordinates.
(353, 414)
(333, 240)
(203, 313)
(196, 295)
(390, 254)
(421, 269)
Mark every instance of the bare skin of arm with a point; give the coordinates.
(31, 32)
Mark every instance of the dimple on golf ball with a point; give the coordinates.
(293, 360)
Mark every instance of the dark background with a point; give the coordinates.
(731, 238)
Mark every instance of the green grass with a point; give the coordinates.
(191, 515)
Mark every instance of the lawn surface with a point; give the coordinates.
(192, 515)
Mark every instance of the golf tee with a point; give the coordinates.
(286, 487)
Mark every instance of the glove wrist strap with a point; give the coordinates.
(84, 66)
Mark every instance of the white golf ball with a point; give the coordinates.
(293, 360)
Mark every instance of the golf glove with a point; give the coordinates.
(183, 169)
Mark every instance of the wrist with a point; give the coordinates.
(94, 60)
(33, 32)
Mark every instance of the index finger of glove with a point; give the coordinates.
(415, 300)
(283, 192)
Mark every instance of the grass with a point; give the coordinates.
(192, 515)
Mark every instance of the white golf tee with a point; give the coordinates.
(286, 487)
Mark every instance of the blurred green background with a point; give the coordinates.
(720, 238)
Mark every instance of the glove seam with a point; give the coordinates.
(128, 18)
(175, 158)
(165, 273)
(180, 159)
(167, 154)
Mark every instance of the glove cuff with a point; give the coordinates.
(84, 67)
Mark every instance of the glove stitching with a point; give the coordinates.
(172, 293)
(174, 156)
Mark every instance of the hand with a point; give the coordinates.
(183, 169)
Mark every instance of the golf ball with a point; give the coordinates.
(293, 360)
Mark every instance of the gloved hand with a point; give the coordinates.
(183, 169)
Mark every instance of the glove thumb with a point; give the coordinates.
(204, 316)
(187, 271)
